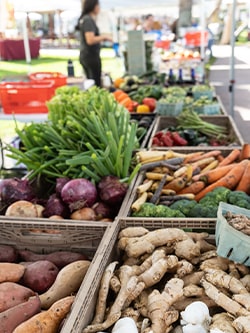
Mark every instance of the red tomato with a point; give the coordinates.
(150, 102)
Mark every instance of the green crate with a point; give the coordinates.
(231, 243)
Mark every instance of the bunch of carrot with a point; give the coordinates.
(196, 174)
(232, 172)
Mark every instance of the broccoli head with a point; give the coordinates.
(214, 197)
(146, 210)
(201, 210)
(184, 206)
(151, 210)
(240, 199)
(165, 211)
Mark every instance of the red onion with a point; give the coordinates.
(79, 193)
(15, 189)
(55, 206)
(111, 190)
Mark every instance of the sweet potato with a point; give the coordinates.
(8, 253)
(10, 272)
(47, 321)
(40, 275)
(67, 282)
(59, 258)
(18, 314)
(12, 294)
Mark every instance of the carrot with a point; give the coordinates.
(194, 188)
(210, 166)
(213, 153)
(245, 152)
(244, 184)
(230, 180)
(190, 156)
(176, 184)
(212, 176)
(220, 158)
(232, 157)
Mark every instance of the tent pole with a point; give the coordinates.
(203, 28)
(232, 61)
(26, 41)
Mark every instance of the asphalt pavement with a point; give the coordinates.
(220, 78)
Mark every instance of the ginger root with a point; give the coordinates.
(224, 280)
(159, 306)
(103, 293)
(222, 300)
(135, 247)
(243, 299)
(242, 324)
(222, 321)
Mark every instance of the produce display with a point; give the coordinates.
(193, 130)
(191, 185)
(77, 199)
(168, 280)
(37, 290)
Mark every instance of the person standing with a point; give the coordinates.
(90, 41)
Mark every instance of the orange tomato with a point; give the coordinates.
(126, 102)
(121, 97)
(117, 93)
(118, 82)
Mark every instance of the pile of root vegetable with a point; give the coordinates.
(191, 184)
(37, 290)
(164, 281)
(239, 222)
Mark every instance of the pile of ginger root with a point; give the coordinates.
(160, 273)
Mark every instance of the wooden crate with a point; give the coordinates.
(222, 120)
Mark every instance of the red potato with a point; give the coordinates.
(10, 272)
(47, 321)
(12, 294)
(8, 253)
(59, 258)
(40, 275)
(13, 317)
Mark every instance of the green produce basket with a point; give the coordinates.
(210, 109)
(208, 93)
(165, 109)
(231, 243)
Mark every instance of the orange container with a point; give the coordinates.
(193, 38)
(58, 78)
(26, 97)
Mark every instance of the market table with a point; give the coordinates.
(13, 49)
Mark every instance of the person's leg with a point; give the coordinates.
(93, 69)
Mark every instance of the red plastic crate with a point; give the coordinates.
(58, 78)
(163, 44)
(26, 97)
(193, 38)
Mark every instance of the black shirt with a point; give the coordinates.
(87, 24)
